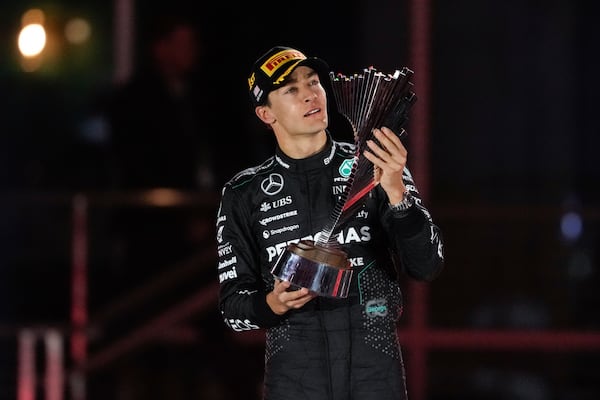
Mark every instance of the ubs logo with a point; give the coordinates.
(272, 185)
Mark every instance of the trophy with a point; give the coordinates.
(368, 100)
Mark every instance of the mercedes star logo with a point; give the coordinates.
(272, 185)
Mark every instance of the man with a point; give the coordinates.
(320, 347)
(158, 124)
(159, 139)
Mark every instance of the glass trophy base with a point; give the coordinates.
(323, 270)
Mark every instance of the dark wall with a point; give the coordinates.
(512, 94)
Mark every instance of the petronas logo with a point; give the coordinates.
(346, 167)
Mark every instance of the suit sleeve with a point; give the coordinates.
(415, 239)
(242, 290)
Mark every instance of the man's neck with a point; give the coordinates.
(302, 146)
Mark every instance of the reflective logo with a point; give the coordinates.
(278, 217)
(362, 214)
(346, 167)
(351, 235)
(272, 232)
(239, 326)
(224, 276)
(284, 201)
(272, 185)
(227, 263)
(339, 189)
(356, 261)
(376, 308)
(225, 250)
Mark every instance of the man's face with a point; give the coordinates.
(300, 106)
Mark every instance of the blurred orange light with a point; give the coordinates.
(32, 40)
(33, 16)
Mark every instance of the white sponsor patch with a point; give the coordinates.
(278, 217)
(227, 263)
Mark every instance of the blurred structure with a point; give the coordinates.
(159, 119)
(160, 140)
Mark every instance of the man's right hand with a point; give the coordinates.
(281, 300)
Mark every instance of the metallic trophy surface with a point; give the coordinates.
(323, 270)
(368, 100)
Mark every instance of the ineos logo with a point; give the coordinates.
(272, 185)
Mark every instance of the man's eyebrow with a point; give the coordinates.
(290, 80)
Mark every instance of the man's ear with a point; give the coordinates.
(264, 114)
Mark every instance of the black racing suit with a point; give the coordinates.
(332, 348)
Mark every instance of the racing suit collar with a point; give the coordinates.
(315, 161)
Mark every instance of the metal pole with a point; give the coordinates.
(26, 379)
(124, 26)
(79, 315)
(420, 21)
(54, 378)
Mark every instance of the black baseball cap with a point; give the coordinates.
(273, 67)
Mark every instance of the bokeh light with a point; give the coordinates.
(77, 30)
(32, 40)
(571, 226)
(33, 16)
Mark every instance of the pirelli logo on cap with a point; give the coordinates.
(271, 66)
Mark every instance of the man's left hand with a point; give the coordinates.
(389, 159)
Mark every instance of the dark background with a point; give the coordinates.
(513, 149)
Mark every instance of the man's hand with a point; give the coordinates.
(389, 159)
(281, 301)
